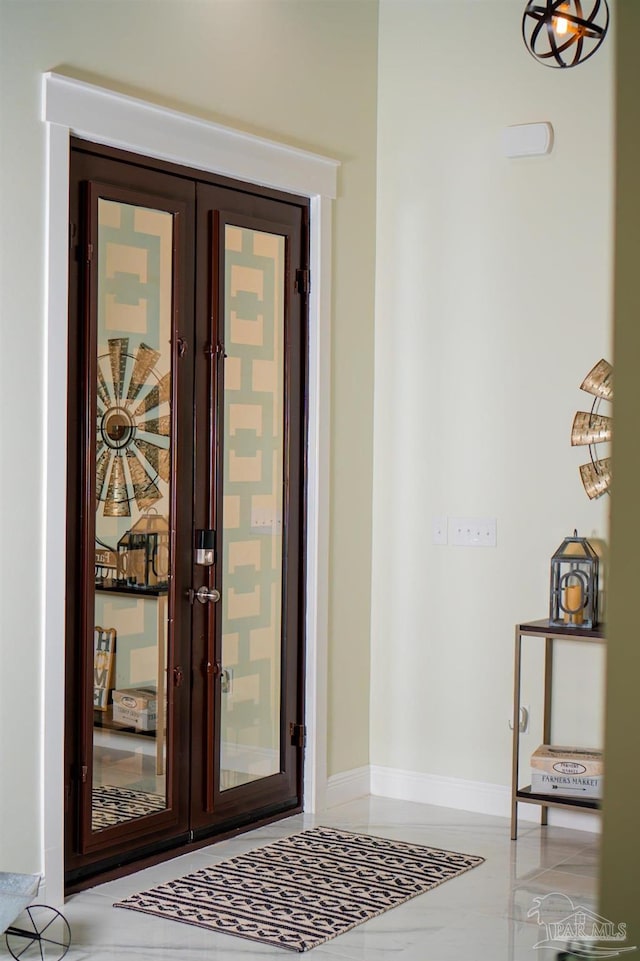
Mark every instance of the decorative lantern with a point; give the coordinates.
(143, 554)
(573, 598)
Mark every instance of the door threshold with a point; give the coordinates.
(110, 871)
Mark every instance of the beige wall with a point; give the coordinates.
(480, 348)
(301, 71)
(493, 301)
(620, 880)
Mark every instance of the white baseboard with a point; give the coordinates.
(477, 796)
(348, 785)
(578, 820)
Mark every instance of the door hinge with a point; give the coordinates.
(84, 770)
(89, 253)
(298, 734)
(213, 668)
(303, 282)
(178, 676)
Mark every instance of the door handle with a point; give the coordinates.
(178, 676)
(207, 595)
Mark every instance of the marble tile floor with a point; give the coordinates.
(480, 916)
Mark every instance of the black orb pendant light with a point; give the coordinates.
(564, 33)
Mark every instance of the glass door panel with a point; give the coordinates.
(133, 515)
(253, 506)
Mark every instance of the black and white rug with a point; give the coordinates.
(113, 805)
(303, 890)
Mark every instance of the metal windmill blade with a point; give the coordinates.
(591, 428)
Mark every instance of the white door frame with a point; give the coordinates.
(69, 107)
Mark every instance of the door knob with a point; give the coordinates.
(208, 595)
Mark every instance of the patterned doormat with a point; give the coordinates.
(113, 805)
(305, 889)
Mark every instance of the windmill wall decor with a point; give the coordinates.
(134, 422)
(594, 429)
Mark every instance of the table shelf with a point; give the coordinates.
(556, 800)
(542, 629)
(104, 721)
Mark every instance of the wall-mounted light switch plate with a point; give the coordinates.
(439, 530)
(473, 531)
(265, 521)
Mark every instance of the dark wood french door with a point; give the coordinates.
(185, 546)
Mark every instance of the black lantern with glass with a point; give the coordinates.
(143, 555)
(573, 600)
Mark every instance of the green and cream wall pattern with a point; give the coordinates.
(253, 502)
(134, 306)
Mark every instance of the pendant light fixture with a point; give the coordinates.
(564, 33)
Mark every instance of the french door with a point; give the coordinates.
(185, 539)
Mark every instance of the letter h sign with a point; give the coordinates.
(104, 652)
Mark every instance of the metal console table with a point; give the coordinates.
(524, 795)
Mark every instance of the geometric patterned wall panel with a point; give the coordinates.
(253, 501)
(134, 303)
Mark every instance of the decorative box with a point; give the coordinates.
(136, 707)
(567, 771)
